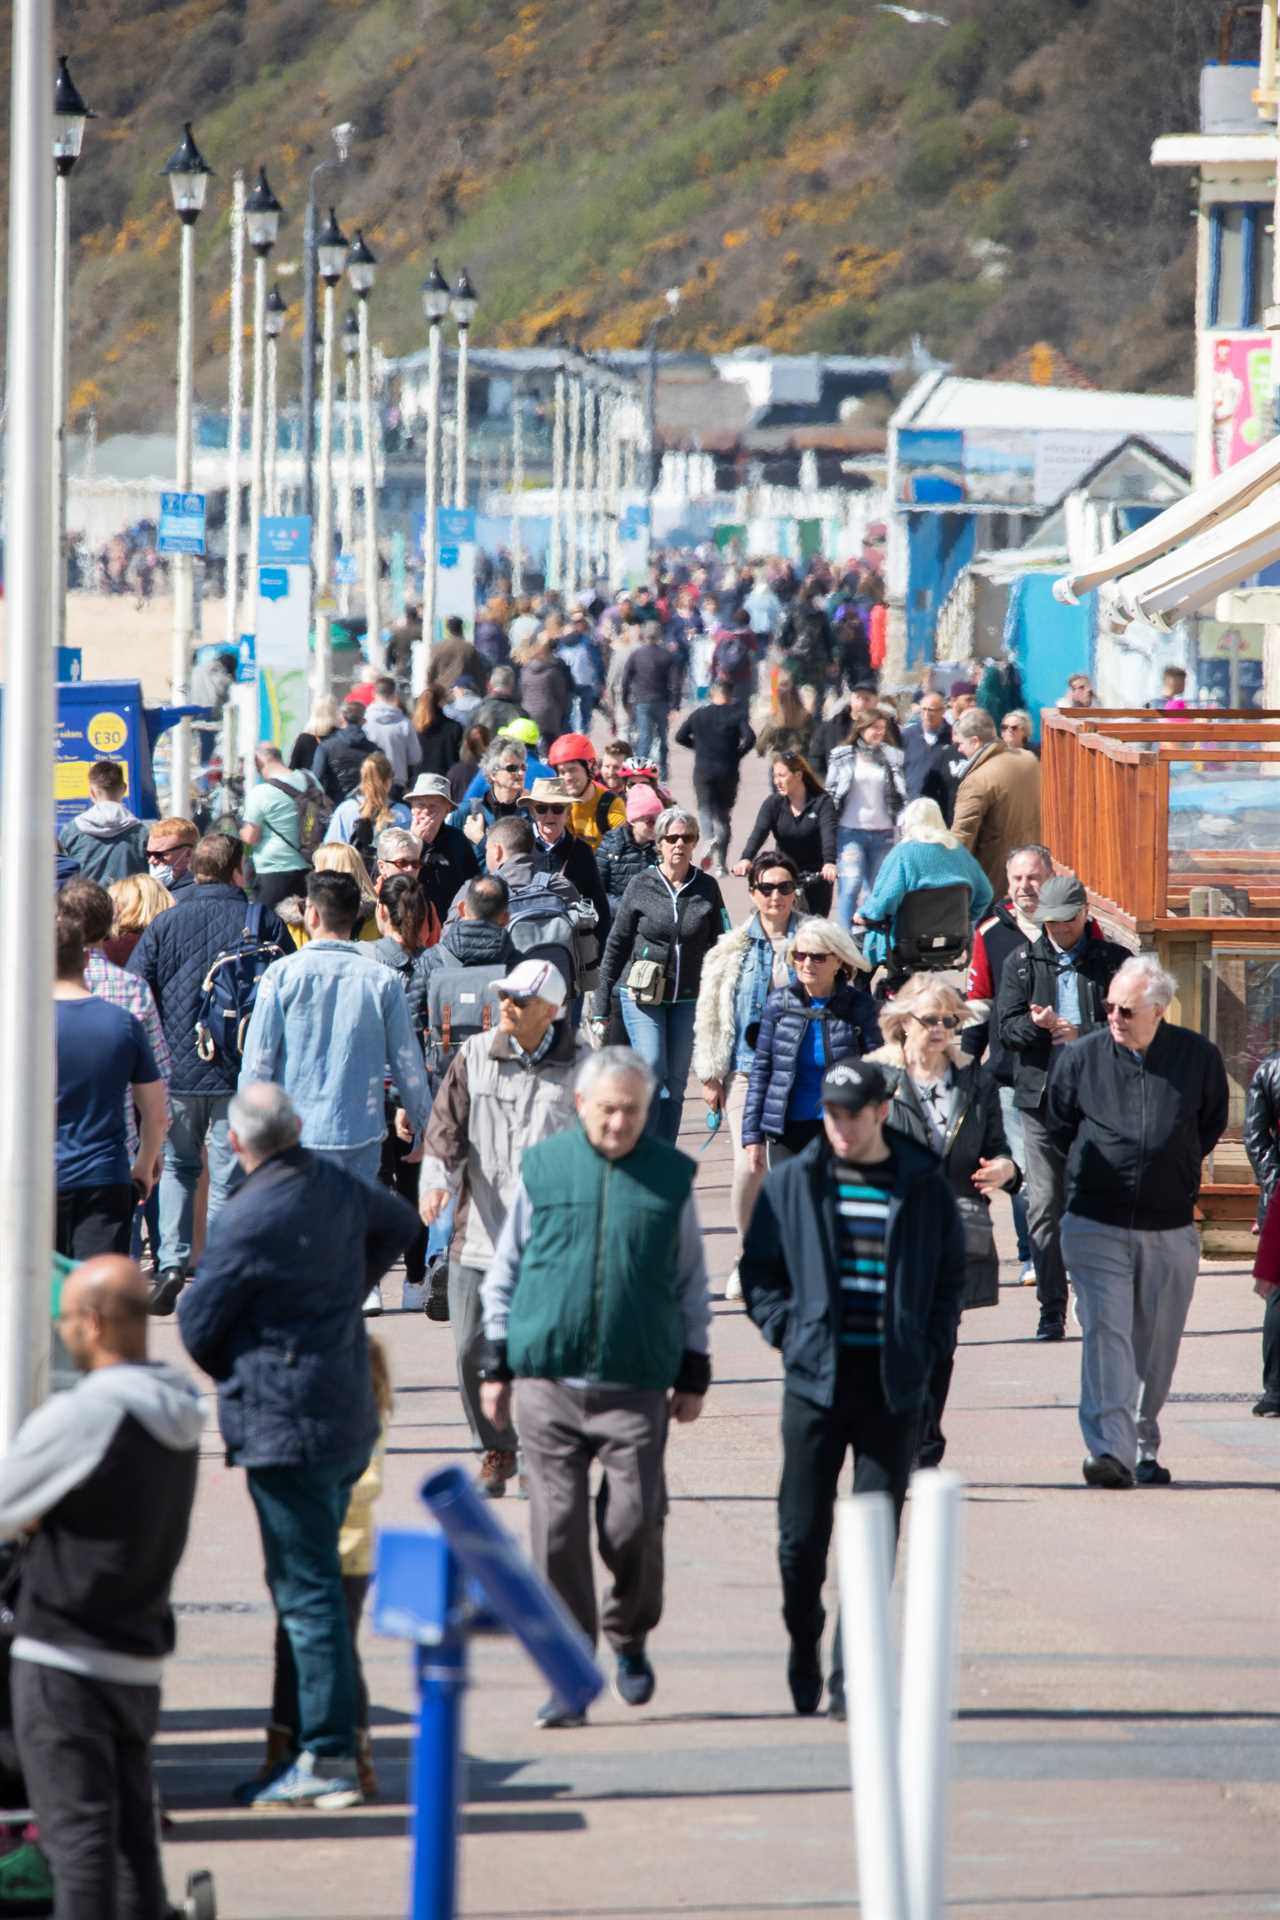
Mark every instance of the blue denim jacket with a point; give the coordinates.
(331, 1026)
(755, 984)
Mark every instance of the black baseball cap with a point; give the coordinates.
(853, 1085)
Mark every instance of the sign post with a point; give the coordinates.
(282, 642)
(182, 524)
(455, 566)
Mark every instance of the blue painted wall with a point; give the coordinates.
(939, 547)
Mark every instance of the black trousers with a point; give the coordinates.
(85, 1747)
(95, 1220)
(814, 1443)
(1271, 1348)
(269, 889)
(395, 1172)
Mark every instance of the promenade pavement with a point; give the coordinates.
(1117, 1740)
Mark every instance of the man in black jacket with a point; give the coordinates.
(650, 691)
(448, 858)
(341, 755)
(720, 735)
(102, 1479)
(925, 744)
(853, 1266)
(1135, 1109)
(1049, 994)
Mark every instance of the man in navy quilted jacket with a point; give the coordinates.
(173, 957)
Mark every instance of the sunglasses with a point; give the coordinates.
(1121, 1013)
(515, 767)
(815, 959)
(775, 886)
(680, 839)
(161, 854)
(407, 865)
(948, 1020)
(541, 808)
(517, 1000)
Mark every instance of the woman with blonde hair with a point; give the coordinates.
(336, 856)
(1016, 730)
(323, 719)
(789, 726)
(361, 817)
(927, 855)
(948, 1103)
(138, 900)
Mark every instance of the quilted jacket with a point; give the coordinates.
(173, 957)
(619, 858)
(849, 1027)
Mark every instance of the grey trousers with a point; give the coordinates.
(1044, 1169)
(468, 1339)
(1133, 1292)
(562, 1430)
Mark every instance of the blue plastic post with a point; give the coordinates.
(437, 1760)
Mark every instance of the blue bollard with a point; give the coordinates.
(441, 1673)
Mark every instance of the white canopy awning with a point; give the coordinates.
(1200, 546)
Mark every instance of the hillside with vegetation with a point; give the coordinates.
(811, 175)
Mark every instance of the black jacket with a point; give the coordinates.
(1030, 980)
(339, 759)
(976, 1131)
(441, 743)
(849, 1028)
(447, 864)
(173, 957)
(809, 836)
(574, 859)
(924, 766)
(619, 858)
(791, 1280)
(681, 932)
(652, 675)
(1135, 1129)
(719, 736)
(1262, 1128)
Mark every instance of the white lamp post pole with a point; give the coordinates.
(69, 116)
(276, 310)
(331, 258)
(555, 559)
(362, 270)
(235, 409)
(463, 304)
(575, 441)
(435, 305)
(347, 493)
(517, 487)
(262, 223)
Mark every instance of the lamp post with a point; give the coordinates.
(262, 224)
(435, 305)
(277, 307)
(555, 559)
(651, 390)
(517, 485)
(69, 117)
(575, 442)
(463, 306)
(188, 183)
(235, 410)
(331, 259)
(362, 271)
(342, 136)
(346, 498)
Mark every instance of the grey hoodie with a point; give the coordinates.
(391, 730)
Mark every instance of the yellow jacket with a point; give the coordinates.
(355, 1536)
(585, 815)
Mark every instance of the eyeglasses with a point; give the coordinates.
(680, 839)
(948, 1020)
(813, 959)
(775, 886)
(541, 809)
(1109, 1007)
(407, 864)
(513, 767)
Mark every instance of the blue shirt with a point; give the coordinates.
(1067, 1000)
(102, 1052)
(811, 1064)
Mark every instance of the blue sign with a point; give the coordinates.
(633, 522)
(273, 583)
(68, 663)
(285, 537)
(447, 557)
(455, 526)
(345, 572)
(181, 523)
(247, 657)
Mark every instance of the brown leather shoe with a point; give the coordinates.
(364, 1766)
(496, 1468)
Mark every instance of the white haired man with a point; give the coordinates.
(1135, 1107)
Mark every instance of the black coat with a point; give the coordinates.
(849, 1028)
(684, 931)
(651, 676)
(924, 766)
(1262, 1128)
(791, 1279)
(447, 864)
(339, 759)
(809, 836)
(1030, 980)
(1135, 1130)
(619, 858)
(441, 744)
(719, 736)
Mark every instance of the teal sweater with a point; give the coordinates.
(920, 863)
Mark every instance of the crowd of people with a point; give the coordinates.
(438, 995)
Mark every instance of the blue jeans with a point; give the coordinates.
(1013, 1133)
(652, 719)
(197, 1124)
(584, 706)
(362, 1161)
(300, 1510)
(860, 854)
(663, 1037)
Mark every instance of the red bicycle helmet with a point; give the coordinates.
(572, 746)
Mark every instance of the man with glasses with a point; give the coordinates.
(557, 850)
(1135, 1109)
(170, 845)
(447, 859)
(1051, 993)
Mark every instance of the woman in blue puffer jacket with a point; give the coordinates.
(804, 1029)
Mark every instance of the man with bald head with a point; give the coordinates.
(102, 1479)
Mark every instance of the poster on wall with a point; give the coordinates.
(1239, 398)
(1229, 667)
(283, 640)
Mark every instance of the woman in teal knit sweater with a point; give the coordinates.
(927, 855)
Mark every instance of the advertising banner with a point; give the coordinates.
(456, 564)
(1240, 401)
(181, 524)
(281, 645)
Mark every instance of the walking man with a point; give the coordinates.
(1135, 1108)
(106, 841)
(596, 1305)
(720, 735)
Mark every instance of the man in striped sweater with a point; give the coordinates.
(853, 1266)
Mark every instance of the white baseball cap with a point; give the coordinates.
(535, 980)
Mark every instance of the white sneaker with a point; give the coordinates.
(372, 1303)
(1071, 1296)
(413, 1296)
(733, 1286)
(1027, 1278)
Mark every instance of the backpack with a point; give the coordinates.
(460, 1002)
(543, 926)
(229, 991)
(313, 811)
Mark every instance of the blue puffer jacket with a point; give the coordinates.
(290, 1358)
(849, 1026)
(173, 957)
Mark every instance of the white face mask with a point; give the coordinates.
(163, 874)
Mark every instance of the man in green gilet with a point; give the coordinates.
(596, 1303)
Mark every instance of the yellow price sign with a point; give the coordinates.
(107, 732)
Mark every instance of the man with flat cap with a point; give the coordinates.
(853, 1266)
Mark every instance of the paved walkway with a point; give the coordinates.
(1118, 1739)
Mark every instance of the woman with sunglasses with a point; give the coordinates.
(948, 1103)
(820, 1017)
(504, 767)
(801, 820)
(744, 967)
(669, 919)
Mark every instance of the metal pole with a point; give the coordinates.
(588, 548)
(235, 411)
(323, 674)
(309, 343)
(61, 275)
(437, 1762)
(27, 819)
(615, 485)
(373, 622)
(430, 502)
(271, 491)
(555, 558)
(257, 430)
(651, 411)
(517, 487)
(575, 439)
(347, 494)
(460, 407)
(928, 1676)
(864, 1541)
(182, 564)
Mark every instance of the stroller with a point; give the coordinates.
(930, 933)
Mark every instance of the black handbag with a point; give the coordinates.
(981, 1261)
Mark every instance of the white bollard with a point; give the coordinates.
(928, 1678)
(864, 1548)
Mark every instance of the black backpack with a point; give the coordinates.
(542, 927)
